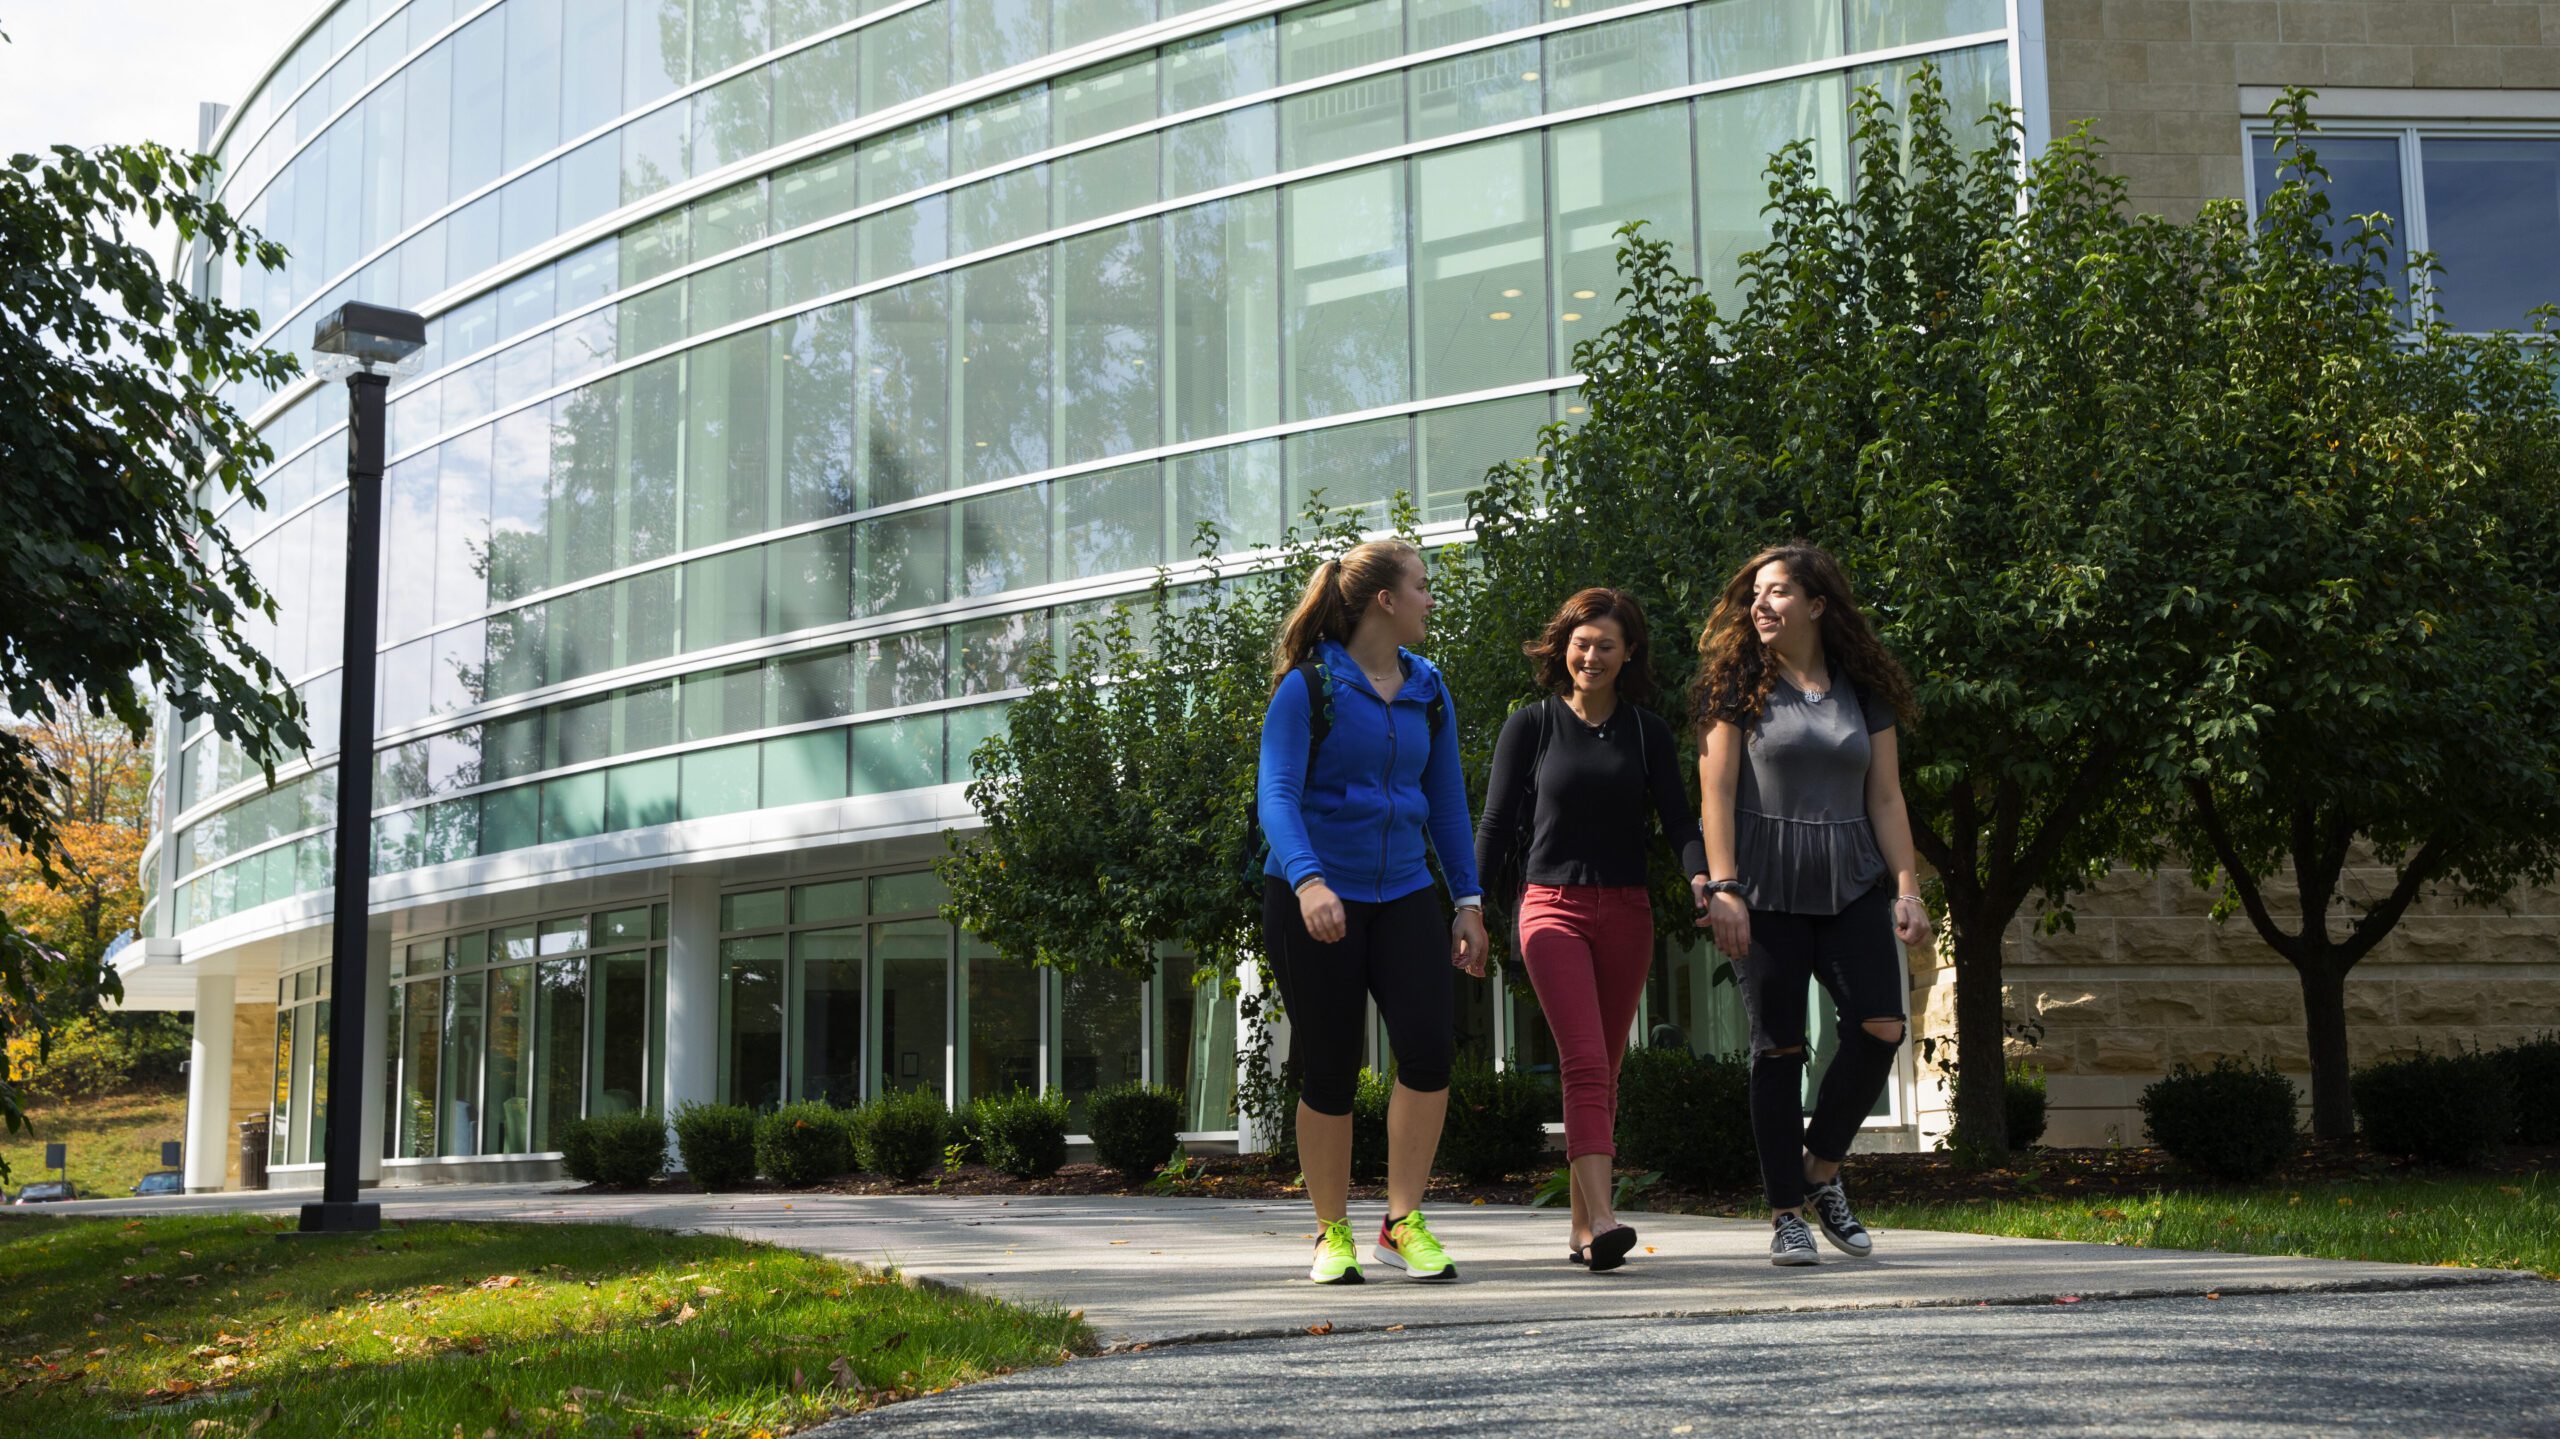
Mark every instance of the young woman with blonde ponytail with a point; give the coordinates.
(1359, 780)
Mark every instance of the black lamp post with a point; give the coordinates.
(367, 344)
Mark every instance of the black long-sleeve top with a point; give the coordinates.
(1589, 793)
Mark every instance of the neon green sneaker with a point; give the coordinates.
(1337, 1255)
(1409, 1245)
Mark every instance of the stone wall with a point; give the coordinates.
(2146, 979)
(2163, 79)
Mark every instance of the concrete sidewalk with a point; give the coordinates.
(1155, 1271)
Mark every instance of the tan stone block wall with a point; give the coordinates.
(253, 1078)
(2162, 78)
(2145, 978)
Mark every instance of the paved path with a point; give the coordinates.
(1152, 1271)
(2469, 1360)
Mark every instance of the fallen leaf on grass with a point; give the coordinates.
(500, 1281)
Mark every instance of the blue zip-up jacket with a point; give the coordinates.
(1384, 786)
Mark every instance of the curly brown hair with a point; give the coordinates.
(1635, 681)
(1734, 672)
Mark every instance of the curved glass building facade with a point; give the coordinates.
(796, 367)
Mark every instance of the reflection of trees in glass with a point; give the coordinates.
(902, 669)
(1348, 345)
(903, 390)
(1005, 329)
(817, 414)
(1004, 541)
(995, 654)
(1108, 381)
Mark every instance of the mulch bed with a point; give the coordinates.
(1881, 1179)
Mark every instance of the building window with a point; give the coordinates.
(501, 1038)
(2486, 202)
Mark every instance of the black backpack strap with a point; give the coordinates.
(1319, 687)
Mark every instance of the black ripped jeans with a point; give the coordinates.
(1857, 961)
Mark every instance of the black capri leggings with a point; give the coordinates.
(1396, 951)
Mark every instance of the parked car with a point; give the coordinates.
(161, 1181)
(46, 1191)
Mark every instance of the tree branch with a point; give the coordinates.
(2041, 851)
(2433, 858)
(2235, 874)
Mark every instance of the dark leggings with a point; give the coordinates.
(1856, 959)
(1396, 951)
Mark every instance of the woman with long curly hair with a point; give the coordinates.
(1813, 872)
(1359, 778)
(1581, 768)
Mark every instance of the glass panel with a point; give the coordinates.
(1460, 445)
(1002, 1032)
(617, 925)
(816, 438)
(2493, 219)
(640, 794)
(1004, 408)
(906, 56)
(1737, 133)
(840, 899)
(726, 449)
(760, 909)
(1347, 339)
(814, 89)
(1482, 239)
(720, 781)
(1321, 39)
(995, 654)
(1236, 489)
(281, 1115)
(1105, 181)
(1109, 397)
(392, 1028)
(808, 581)
(1905, 22)
(508, 1099)
(573, 806)
(561, 1057)
(1221, 150)
(1614, 61)
(1099, 1023)
(751, 998)
(900, 893)
(813, 686)
(1357, 468)
(1196, 1046)
(902, 392)
(1467, 92)
(561, 936)
(1226, 317)
(1738, 37)
(914, 960)
(901, 669)
(458, 1107)
(1341, 121)
(618, 1044)
(1110, 521)
(895, 755)
(1208, 68)
(803, 768)
(827, 1063)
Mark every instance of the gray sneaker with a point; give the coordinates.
(1790, 1243)
(1830, 1206)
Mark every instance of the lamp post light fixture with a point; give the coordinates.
(366, 344)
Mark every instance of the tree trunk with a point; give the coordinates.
(2324, 1012)
(1982, 1058)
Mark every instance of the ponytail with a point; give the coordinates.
(1337, 594)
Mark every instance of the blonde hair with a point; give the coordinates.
(1337, 595)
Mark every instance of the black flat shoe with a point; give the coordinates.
(1580, 1254)
(1609, 1251)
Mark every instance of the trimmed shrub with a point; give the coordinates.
(2443, 1108)
(901, 1134)
(1687, 1116)
(1497, 1123)
(2533, 1083)
(630, 1149)
(578, 1150)
(803, 1144)
(1369, 1126)
(1024, 1134)
(2026, 1106)
(716, 1144)
(2233, 1121)
(1136, 1127)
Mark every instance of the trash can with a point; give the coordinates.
(253, 1152)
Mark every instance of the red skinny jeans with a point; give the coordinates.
(1587, 948)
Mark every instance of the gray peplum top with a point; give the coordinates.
(1802, 842)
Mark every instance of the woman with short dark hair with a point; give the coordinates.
(1815, 877)
(1580, 768)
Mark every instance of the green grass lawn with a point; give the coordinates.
(114, 1139)
(157, 1326)
(2496, 1222)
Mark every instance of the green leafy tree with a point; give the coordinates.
(1964, 380)
(2396, 620)
(1117, 801)
(114, 444)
